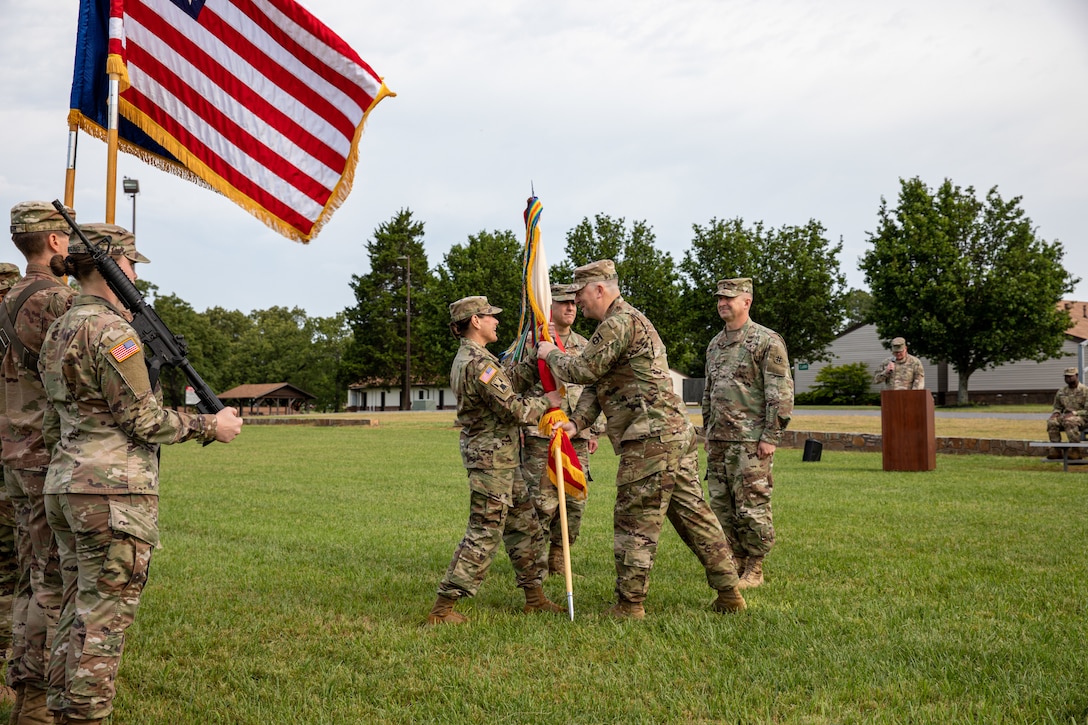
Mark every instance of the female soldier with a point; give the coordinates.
(500, 509)
(104, 426)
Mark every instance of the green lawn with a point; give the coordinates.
(298, 565)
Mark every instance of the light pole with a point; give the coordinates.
(132, 188)
(406, 396)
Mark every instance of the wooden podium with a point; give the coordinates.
(909, 438)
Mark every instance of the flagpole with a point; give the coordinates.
(70, 172)
(563, 524)
(111, 148)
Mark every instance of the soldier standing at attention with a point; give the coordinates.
(500, 509)
(9, 557)
(658, 474)
(1070, 414)
(104, 427)
(901, 371)
(747, 403)
(40, 233)
(534, 449)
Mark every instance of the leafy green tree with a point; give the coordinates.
(649, 279)
(798, 287)
(966, 280)
(858, 306)
(378, 321)
(490, 264)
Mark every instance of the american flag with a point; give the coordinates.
(255, 98)
(125, 350)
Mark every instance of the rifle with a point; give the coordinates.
(163, 346)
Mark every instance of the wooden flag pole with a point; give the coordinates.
(70, 172)
(111, 148)
(559, 483)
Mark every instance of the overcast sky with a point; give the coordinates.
(673, 113)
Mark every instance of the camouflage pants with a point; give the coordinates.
(105, 545)
(499, 509)
(1071, 424)
(9, 571)
(740, 486)
(659, 478)
(39, 590)
(534, 457)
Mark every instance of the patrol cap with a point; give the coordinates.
(466, 307)
(38, 216)
(122, 242)
(599, 271)
(898, 343)
(1071, 371)
(9, 275)
(734, 287)
(562, 293)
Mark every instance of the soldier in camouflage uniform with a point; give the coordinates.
(648, 425)
(901, 371)
(747, 403)
(534, 449)
(40, 233)
(1070, 414)
(104, 427)
(489, 412)
(9, 558)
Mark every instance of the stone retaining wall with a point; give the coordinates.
(257, 420)
(872, 443)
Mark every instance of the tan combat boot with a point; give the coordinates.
(535, 601)
(34, 710)
(555, 559)
(626, 610)
(753, 573)
(729, 600)
(1075, 454)
(1054, 455)
(442, 612)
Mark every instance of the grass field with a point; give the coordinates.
(298, 565)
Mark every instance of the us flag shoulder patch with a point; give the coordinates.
(488, 373)
(125, 350)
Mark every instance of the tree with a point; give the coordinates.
(648, 276)
(798, 287)
(378, 321)
(965, 280)
(858, 306)
(489, 264)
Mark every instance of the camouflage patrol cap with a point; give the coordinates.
(734, 287)
(38, 216)
(466, 307)
(898, 343)
(599, 271)
(562, 293)
(1072, 371)
(122, 243)
(9, 275)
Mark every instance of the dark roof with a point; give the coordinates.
(265, 390)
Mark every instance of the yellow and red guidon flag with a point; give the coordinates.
(255, 98)
(536, 305)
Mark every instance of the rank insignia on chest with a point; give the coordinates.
(488, 373)
(125, 350)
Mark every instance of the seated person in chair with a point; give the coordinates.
(1070, 414)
